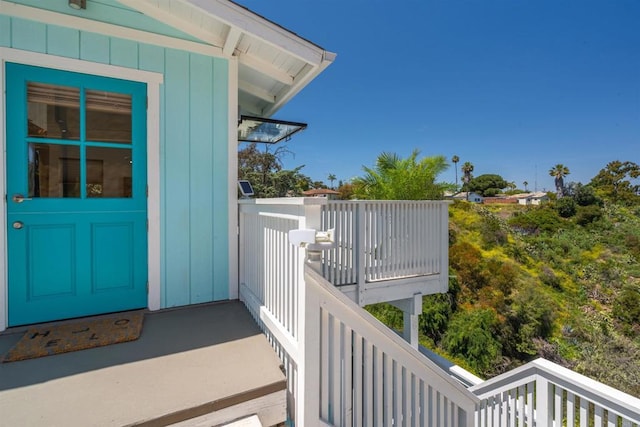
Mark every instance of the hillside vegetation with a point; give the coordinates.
(559, 281)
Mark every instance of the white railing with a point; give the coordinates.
(271, 274)
(543, 394)
(343, 367)
(384, 240)
(368, 375)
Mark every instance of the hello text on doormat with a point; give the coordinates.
(74, 336)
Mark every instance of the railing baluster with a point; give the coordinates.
(513, 401)
(397, 393)
(504, 409)
(557, 406)
(406, 397)
(358, 382)
(325, 372)
(378, 387)
(347, 376)
(415, 401)
(571, 409)
(530, 405)
(388, 391)
(434, 407)
(368, 404)
(597, 416)
(584, 412)
(424, 404)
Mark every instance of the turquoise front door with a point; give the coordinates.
(76, 194)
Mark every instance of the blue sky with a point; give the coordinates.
(512, 86)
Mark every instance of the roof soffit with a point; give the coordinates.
(274, 63)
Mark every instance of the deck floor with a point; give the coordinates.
(187, 362)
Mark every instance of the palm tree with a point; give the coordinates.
(467, 168)
(331, 178)
(558, 172)
(395, 178)
(455, 159)
(525, 186)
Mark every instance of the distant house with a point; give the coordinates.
(322, 192)
(536, 198)
(468, 196)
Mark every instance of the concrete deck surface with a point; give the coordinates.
(186, 363)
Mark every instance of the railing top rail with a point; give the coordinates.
(601, 394)
(325, 201)
(389, 202)
(301, 201)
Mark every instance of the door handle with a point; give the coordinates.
(17, 225)
(19, 198)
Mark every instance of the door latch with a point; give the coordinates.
(19, 198)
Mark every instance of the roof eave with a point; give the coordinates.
(242, 21)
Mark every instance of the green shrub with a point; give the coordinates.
(549, 278)
(466, 260)
(387, 314)
(536, 220)
(531, 316)
(588, 214)
(626, 307)
(472, 336)
(436, 311)
(566, 207)
(492, 232)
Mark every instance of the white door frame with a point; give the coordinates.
(153, 81)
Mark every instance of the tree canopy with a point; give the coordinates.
(395, 178)
(487, 184)
(618, 182)
(264, 170)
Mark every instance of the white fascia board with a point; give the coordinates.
(166, 17)
(84, 24)
(251, 23)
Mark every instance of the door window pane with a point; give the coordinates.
(53, 170)
(53, 111)
(108, 116)
(108, 172)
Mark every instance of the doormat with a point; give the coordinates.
(74, 336)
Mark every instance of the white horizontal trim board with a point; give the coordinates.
(84, 24)
(79, 66)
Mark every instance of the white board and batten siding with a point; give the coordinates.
(190, 143)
